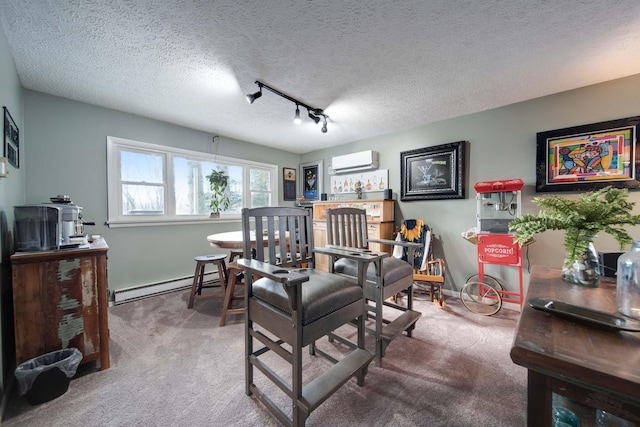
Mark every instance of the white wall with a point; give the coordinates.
(502, 144)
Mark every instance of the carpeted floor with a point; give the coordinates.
(171, 366)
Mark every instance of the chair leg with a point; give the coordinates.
(380, 342)
(298, 415)
(228, 297)
(223, 275)
(248, 353)
(437, 295)
(410, 307)
(361, 344)
(197, 283)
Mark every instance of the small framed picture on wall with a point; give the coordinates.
(289, 183)
(311, 177)
(11, 140)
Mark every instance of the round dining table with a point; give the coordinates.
(227, 240)
(231, 239)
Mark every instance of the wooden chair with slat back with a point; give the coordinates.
(348, 227)
(289, 307)
(427, 270)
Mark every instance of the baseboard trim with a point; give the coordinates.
(121, 296)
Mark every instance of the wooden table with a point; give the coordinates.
(593, 366)
(229, 240)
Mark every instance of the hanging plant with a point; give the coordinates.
(218, 184)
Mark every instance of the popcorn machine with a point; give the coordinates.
(498, 203)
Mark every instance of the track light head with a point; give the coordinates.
(297, 119)
(324, 126)
(253, 96)
(313, 117)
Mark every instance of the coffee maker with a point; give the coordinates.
(49, 226)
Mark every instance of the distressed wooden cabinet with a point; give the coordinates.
(380, 223)
(60, 301)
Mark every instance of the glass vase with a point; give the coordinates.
(628, 282)
(584, 271)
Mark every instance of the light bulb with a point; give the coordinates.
(297, 120)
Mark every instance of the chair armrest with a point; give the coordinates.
(396, 243)
(411, 246)
(436, 267)
(273, 272)
(362, 255)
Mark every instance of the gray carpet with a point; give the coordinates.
(175, 367)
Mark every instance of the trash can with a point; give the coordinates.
(46, 377)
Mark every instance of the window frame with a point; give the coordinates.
(116, 219)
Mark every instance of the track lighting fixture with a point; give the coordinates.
(314, 113)
(297, 119)
(313, 117)
(253, 96)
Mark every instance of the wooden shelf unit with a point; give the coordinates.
(380, 223)
(60, 301)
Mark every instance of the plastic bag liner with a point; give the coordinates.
(67, 360)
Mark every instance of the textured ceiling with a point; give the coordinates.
(374, 66)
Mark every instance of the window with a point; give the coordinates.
(151, 184)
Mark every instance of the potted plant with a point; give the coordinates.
(581, 219)
(218, 183)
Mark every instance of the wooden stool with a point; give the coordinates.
(234, 253)
(235, 274)
(234, 270)
(198, 277)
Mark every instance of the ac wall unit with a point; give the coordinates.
(362, 161)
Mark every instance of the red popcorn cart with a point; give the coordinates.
(498, 203)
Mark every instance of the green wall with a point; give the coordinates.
(11, 194)
(502, 144)
(66, 154)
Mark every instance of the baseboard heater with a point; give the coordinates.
(121, 296)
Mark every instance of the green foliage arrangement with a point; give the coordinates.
(603, 210)
(218, 183)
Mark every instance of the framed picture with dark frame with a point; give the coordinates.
(311, 180)
(589, 157)
(289, 183)
(433, 173)
(11, 140)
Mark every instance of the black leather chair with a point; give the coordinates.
(347, 227)
(288, 308)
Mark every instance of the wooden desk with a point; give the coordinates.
(598, 368)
